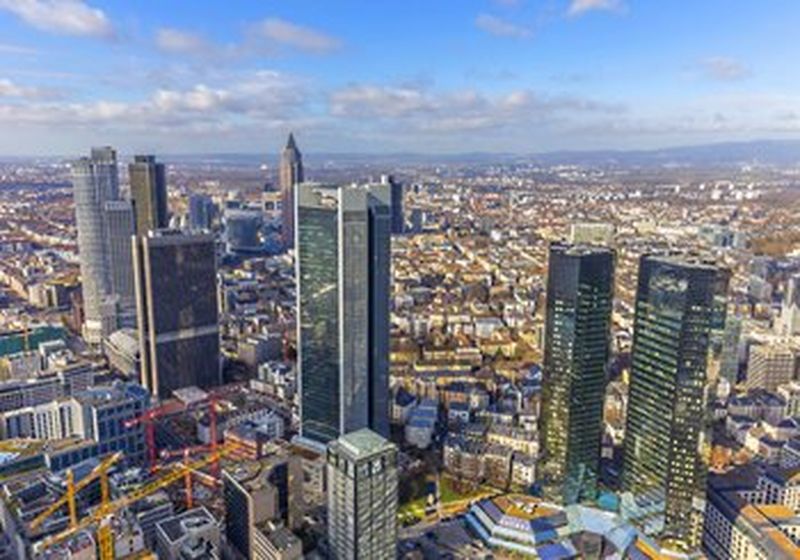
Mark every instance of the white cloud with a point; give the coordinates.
(501, 27)
(279, 32)
(181, 42)
(11, 89)
(452, 111)
(580, 7)
(67, 17)
(723, 68)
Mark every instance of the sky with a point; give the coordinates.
(383, 76)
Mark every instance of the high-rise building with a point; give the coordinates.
(580, 286)
(95, 182)
(201, 211)
(790, 311)
(362, 497)
(398, 217)
(243, 230)
(290, 175)
(343, 254)
(119, 232)
(148, 193)
(343, 260)
(176, 298)
(667, 446)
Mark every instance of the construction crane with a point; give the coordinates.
(68, 499)
(147, 419)
(101, 517)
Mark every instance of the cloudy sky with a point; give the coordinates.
(189, 76)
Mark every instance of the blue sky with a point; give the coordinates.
(522, 76)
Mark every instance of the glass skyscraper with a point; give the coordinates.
(343, 260)
(95, 183)
(148, 193)
(580, 286)
(678, 303)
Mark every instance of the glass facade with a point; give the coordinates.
(666, 442)
(148, 193)
(343, 255)
(176, 292)
(577, 330)
(318, 274)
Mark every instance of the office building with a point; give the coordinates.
(362, 497)
(666, 450)
(771, 364)
(259, 493)
(243, 230)
(580, 284)
(591, 233)
(192, 534)
(95, 182)
(176, 297)
(397, 192)
(201, 212)
(119, 231)
(343, 260)
(148, 193)
(290, 175)
(789, 323)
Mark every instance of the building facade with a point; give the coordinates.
(176, 297)
(148, 193)
(580, 286)
(343, 268)
(362, 497)
(667, 446)
(290, 175)
(95, 182)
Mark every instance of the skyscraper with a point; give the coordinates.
(148, 193)
(201, 211)
(789, 325)
(666, 442)
(95, 182)
(362, 497)
(176, 298)
(120, 227)
(580, 285)
(398, 218)
(343, 254)
(291, 174)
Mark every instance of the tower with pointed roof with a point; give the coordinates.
(290, 174)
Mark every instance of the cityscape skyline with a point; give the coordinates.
(483, 75)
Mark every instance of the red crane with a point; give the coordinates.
(148, 418)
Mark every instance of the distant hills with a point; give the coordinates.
(777, 153)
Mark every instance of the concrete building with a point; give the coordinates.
(771, 364)
(290, 175)
(362, 497)
(187, 534)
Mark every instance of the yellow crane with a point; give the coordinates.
(103, 514)
(68, 499)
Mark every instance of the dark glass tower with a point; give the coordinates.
(343, 239)
(176, 298)
(148, 193)
(580, 286)
(678, 303)
(290, 175)
(398, 217)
